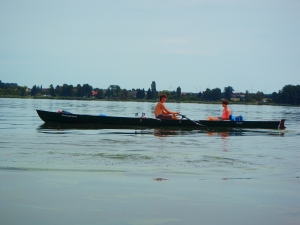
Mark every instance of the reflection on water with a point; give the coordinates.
(225, 134)
(60, 128)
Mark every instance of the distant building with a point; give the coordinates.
(94, 93)
(133, 94)
(238, 95)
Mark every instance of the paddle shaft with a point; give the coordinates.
(191, 120)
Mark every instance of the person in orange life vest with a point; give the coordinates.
(226, 112)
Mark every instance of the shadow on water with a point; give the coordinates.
(64, 128)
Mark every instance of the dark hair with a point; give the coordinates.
(225, 102)
(162, 96)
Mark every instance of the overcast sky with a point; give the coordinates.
(195, 44)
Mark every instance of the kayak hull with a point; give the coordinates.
(61, 117)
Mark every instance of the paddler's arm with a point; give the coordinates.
(166, 111)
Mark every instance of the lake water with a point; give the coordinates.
(109, 176)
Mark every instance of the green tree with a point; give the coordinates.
(33, 91)
(140, 93)
(51, 90)
(228, 91)
(178, 92)
(259, 96)
(22, 90)
(38, 90)
(167, 93)
(67, 90)
(275, 97)
(173, 94)
(113, 91)
(64, 90)
(215, 94)
(200, 94)
(79, 92)
(124, 93)
(149, 94)
(118, 91)
(100, 93)
(87, 90)
(291, 94)
(207, 94)
(57, 90)
(153, 89)
(108, 93)
(247, 96)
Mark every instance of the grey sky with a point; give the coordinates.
(192, 44)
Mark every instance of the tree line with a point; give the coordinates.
(289, 94)
(87, 91)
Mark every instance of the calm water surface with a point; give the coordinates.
(205, 171)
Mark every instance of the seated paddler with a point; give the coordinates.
(225, 114)
(161, 111)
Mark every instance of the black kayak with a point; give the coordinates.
(71, 118)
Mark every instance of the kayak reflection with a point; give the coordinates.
(224, 134)
(158, 132)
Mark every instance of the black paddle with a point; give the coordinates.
(198, 124)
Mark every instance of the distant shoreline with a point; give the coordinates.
(142, 100)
